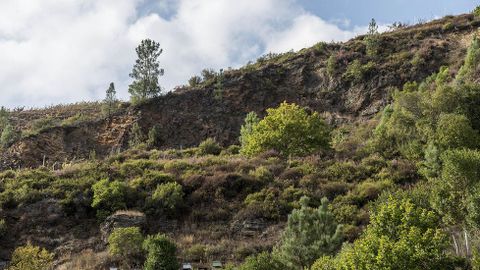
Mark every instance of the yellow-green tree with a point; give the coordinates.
(288, 129)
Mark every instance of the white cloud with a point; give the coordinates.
(69, 50)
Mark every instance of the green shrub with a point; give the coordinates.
(356, 72)
(231, 150)
(262, 173)
(263, 261)
(265, 204)
(31, 258)
(401, 235)
(154, 137)
(136, 136)
(125, 242)
(74, 120)
(161, 253)
(448, 26)
(332, 64)
(324, 263)
(196, 253)
(168, 196)
(288, 129)
(8, 136)
(455, 131)
(209, 147)
(108, 197)
(194, 81)
(476, 11)
(40, 125)
(151, 179)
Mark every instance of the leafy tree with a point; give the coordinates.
(146, 71)
(125, 242)
(454, 131)
(160, 253)
(457, 185)
(247, 128)
(169, 196)
(110, 100)
(401, 235)
(288, 129)
(310, 234)
(108, 197)
(263, 261)
(31, 258)
(372, 40)
(154, 136)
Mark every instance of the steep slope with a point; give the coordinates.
(339, 80)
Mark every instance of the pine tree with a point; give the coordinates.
(136, 135)
(372, 41)
(311, 233)
(250, 121)
(110, 100)
(146, 71)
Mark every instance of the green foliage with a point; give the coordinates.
(146, 71)
(161, 253)
(137, 136)
(455, 131)
(8, 136)
(208, 75)
(110, 101)
(125, 242)
(31, 258)
(401, 235)
(108, 197)
(372, 40)
(332, 64)
(196, 253)
(356, 72)
(476, 11)
(263, 261)
(154, 137)
(310, 234)
(288, 129)
(251, 120)
(194, 81)
(324, 263)
(262, 173)
(209, 147)
(448, 26)
(40, 125)
(471, 62)
(457, 187)
(168, 196)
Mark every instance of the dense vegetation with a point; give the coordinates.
(399, 191)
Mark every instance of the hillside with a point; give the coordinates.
(73, 175)
(189, 115)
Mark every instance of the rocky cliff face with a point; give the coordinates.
(323, 78)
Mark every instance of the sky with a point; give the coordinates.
(64, 51)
